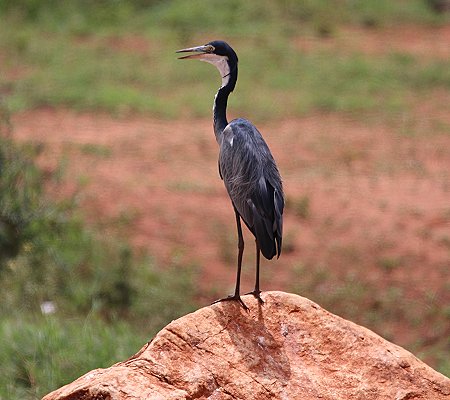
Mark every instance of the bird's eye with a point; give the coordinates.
(210, 48)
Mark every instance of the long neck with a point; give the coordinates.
(221, 101)
(220, 111)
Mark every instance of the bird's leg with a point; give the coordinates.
(257, 291)
(236, 296)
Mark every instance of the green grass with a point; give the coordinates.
(47, 253)
(299, 206)
(99, 69)
(96, 150)
(235, 17)
(105, 300)
(40, 354)
(274, 82)
(118, 57)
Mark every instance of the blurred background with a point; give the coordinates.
(113, 218)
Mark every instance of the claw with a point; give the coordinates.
(257, 295)
(233, 297)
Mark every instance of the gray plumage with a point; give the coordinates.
(253, 183)
(246, 166)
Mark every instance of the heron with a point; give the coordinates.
(246, 166)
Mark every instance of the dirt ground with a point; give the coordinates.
(368, 198)
(371, 193)
(414, 40)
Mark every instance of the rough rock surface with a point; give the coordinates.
(288, 348)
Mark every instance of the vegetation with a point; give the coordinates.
(40, 354)
(82, 55)
(73, 299)
(66, 293)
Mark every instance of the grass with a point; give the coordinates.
(299, 206)
(96, 150)
(96, 76)
(72, 300)
(40, 354)
(390, 263)
(101, 69)
(118, 57)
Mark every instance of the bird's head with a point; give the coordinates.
(218, 53)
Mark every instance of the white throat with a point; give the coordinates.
(221, 63)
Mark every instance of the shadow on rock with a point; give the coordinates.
(251, 342)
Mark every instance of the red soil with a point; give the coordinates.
(374, 194)
(414, 40)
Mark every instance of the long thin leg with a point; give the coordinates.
(236, 296)
(257, 291)
(240, 253)
(258, 256)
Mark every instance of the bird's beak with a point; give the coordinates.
(198, 51)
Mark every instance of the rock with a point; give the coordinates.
(288, 348)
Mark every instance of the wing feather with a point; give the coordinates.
(253, 183)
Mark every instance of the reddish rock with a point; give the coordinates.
(289, 348)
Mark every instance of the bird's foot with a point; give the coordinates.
(257, 294)
(233, 297)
